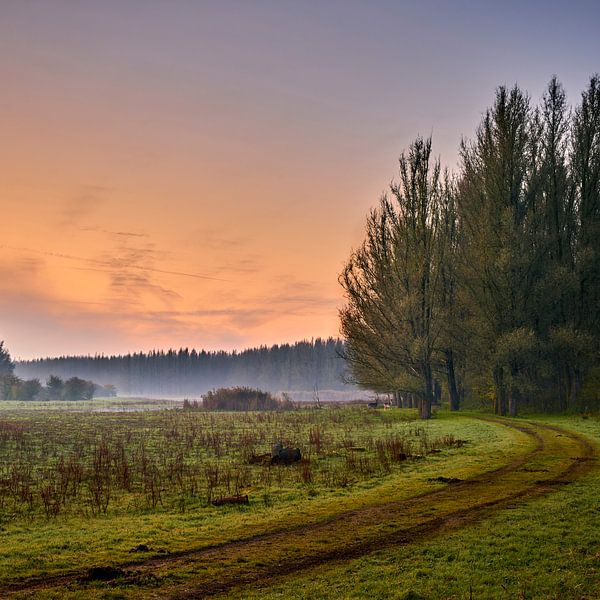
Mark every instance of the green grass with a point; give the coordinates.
(95, 405)
(35, 545)
(544, 548)
(541, 548)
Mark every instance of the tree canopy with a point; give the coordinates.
(487, 280)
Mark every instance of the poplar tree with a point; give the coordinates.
(453, 338)
(499, 266)
(556, 293)
(585, 172)
(393, 318)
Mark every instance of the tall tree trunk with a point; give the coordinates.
(425, 399)
(454, 399)
(437, 392)
(514, 395)
(564, 383)
(513, 402)
(425, 406)
(500, 398)
(576, 382)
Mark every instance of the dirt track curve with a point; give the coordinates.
(557, 458)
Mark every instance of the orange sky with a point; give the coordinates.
(176, 175)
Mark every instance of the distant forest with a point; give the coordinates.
(287, 367)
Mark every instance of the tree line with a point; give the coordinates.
(487, 280)
(304, 365)
(74, 388)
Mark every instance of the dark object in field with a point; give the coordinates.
(141, 548)
(231, 500)
(103, 574)
(444, 480)
(260, 459)
(284, 456)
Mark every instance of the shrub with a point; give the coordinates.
(243, 399)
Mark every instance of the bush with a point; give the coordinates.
(243, 399)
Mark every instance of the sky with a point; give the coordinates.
(182, 173)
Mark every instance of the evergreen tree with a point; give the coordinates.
(6, 364)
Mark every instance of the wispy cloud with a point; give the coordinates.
(133, 308)
(37, 320)
(112, 262)
(125, 234)
(82, 206)
(215, 239)
(125, 285)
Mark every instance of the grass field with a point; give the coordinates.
(401, 530)
(548, 547)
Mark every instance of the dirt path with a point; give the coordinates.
(558, 457)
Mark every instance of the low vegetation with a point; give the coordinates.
(243, 399)
(85, 488)
(89, 464)
(545, 548)
(104, 504)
